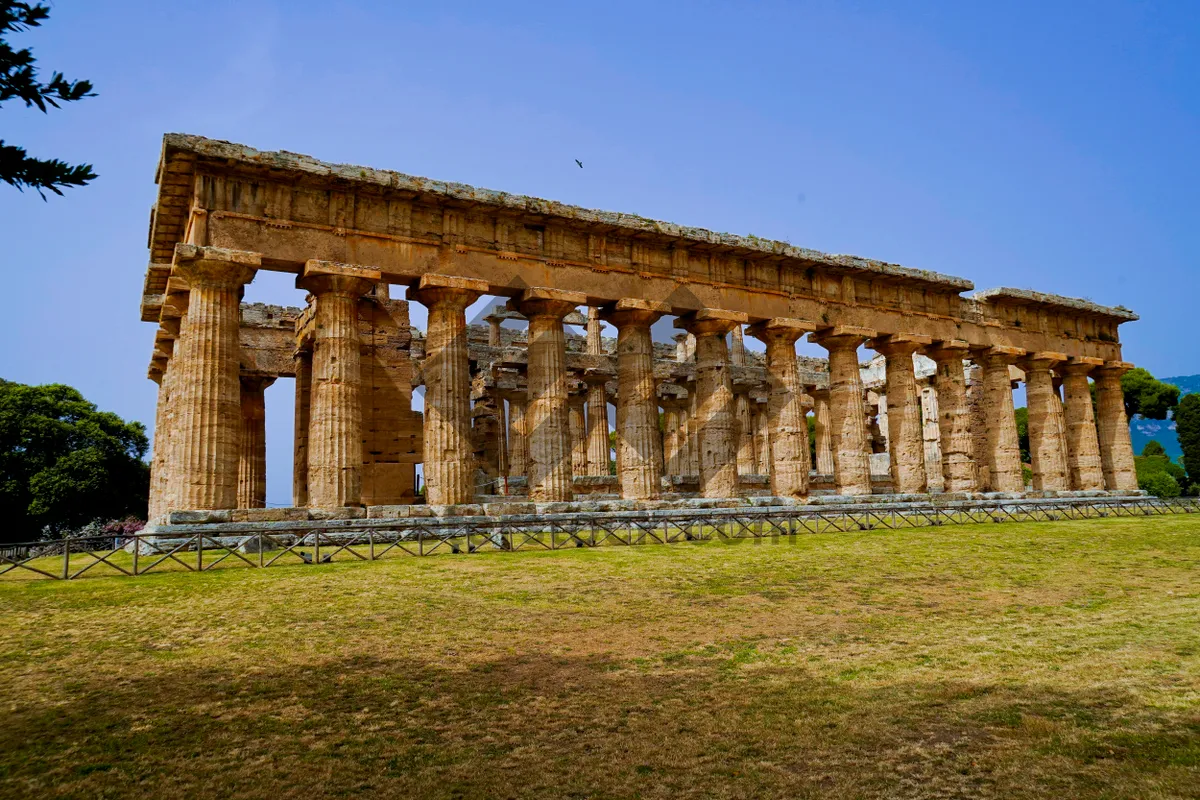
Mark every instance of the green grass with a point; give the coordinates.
(1021, 660)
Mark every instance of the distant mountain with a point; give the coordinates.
(1162, 430)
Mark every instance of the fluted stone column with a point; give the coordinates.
(1004, 450)
(977, 409)
(1083, 445)
(954, 418)
(207, 431)
(160, 461)
(1116, 448)
(546, 416)
(786, 423)
(595, 343)
(576, 403)
(638, 441)
(448, 451)
(715, 423)
(597, 423)
(518, 440)
(762, 438)
(1046, 444)
(823, 432)
(252, 465)
(302, 415)
(693, 430)
(905, 426)
(745, 434)
(674, 435)
(851, 447)
(335, 445)
(494, 339)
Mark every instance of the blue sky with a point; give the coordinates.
(1037, 145)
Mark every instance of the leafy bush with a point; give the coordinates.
(1159, 465)
(1153, 448)
(1160, 484)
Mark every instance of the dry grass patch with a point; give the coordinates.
(1034, 660)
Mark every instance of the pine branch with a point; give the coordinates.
(19, 170)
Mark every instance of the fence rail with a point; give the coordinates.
(199, 548)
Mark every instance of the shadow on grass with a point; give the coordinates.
(583, 727)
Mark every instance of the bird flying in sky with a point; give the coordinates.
(580, 163)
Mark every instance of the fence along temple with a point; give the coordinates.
(523, 416)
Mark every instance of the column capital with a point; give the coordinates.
(1041, 360)
(781, 329)
(631, 311)
(841, 337)
(710, 321)
(598, 375)
(1081, 365)
(947, 350)
(214, 267)
(329, 277)
(256, 383)
(434, 289)
(899, 344)
(998, 354)
(1113, 369)
(540, 301)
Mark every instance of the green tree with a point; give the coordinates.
(1146, 395)
(19, 80)
(1153, 448)
(63, 463)
(1022, 415)
(1187, 428)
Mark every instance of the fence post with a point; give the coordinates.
(371, 542)
(66, 572)
(137, 549)
(199, 552)
(316, 547)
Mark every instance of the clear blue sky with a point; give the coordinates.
(1039, 145)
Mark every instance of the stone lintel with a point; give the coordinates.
(187, 253)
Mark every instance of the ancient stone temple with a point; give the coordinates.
(523, 414)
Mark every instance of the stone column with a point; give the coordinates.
(715, 424)
(160, 461)
(1116, 448)
(851, 447)
(252, 464)
(1004, 450)
(1046, 445)
(954, 417)
(822, 431)
(977, 409)
(762, 437)
(693, 432)
(745, 434)
(737, 350)
(207, 431)
(905, 426)
(638, 440)
(1083, 446)
(448, 449)
(577, 399)
(597, 423)
(786, 423)
(595, 343)
(546, 416)
(494, 339)
(301, 417)
(674, 435)
(518, 439)
(335, 449)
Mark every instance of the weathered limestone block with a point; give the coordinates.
(302, 416)
(449, 455)
(762, 437)
(786, 419)
(906, 437)
(1004, 451)
(1083, 445)
(252, 465)
(1116, 448)
(851, 449)
(518, 441)
(577, 416)
(977, 411)
(933, 436)
(715, 424)
(597, 423)
(823, 432)
(745, 434)
(207, 430)
(546, 415)
(638, 439)
(1046, 445)
(959, 473)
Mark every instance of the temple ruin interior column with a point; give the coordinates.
(1116, 447)
(638, 441)
(674, 433)
(1004, 451)
(959, 472)
(1046, 445)
(932, 435)
(1083, 445)
(597, 422)
(252, 463)
(762, 436)
(715, 423)
(851, 448)
(546, 416)
(786, 421)
(207, 428)
(518, 440)
(335, 449)
(576, 403)
(448, 449)
(905, 425)
(301, 417)
(745, 433)
(823, 432)
(977, 411)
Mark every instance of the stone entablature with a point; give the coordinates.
(704, 413)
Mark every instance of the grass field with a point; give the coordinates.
(1024, 660)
